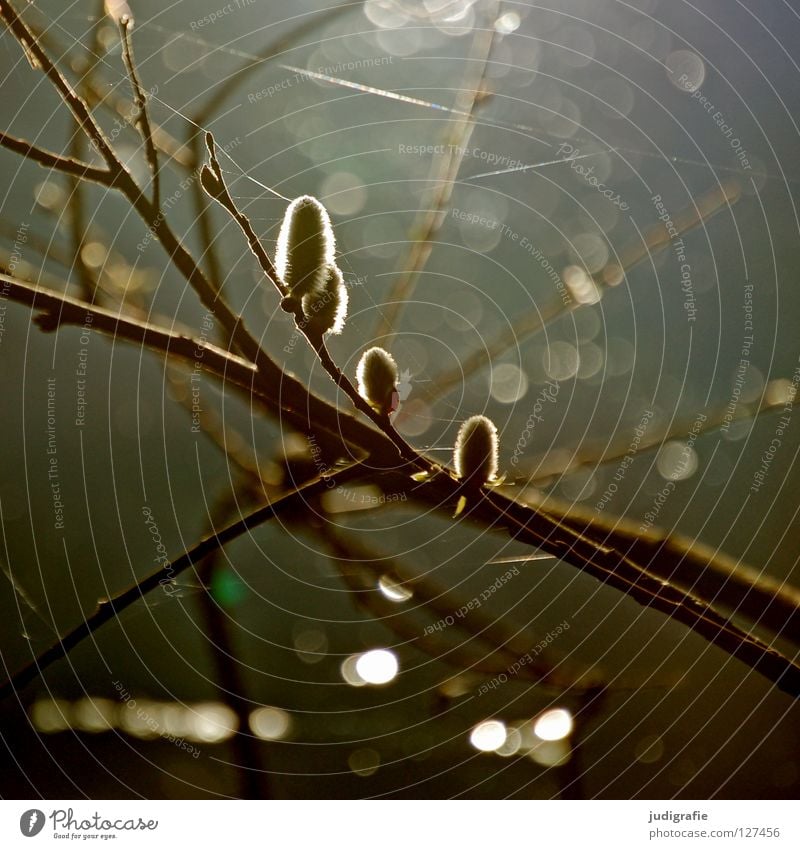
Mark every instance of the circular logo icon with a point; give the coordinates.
(31, 822)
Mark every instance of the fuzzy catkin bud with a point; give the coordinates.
(475, 454)
(305, 246)
(327, 309)
(377, 380)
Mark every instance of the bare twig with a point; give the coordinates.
(214, 184)
(142, 116)
(386, 448)
(48, 159)
(253, 778)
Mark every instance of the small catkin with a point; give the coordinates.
(377, 380)
(475, 454)
(327, 309)
(306, 246)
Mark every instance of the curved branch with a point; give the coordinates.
(112, 607)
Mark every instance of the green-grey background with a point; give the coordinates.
(591, 73)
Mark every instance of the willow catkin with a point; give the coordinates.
(377, 376)
(475, 454)
(327, 309)
(306, 246)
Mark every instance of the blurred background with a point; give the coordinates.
(322, 663)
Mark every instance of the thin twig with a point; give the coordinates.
(65, 164)
(214, 184)
(140, 100)
(281, 395)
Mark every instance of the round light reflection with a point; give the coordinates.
(378, 666)
(488, 736)
(554, 724)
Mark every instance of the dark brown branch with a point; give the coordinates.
(281, 395)
(618, 569)
(111, 608)
(142, 119)
(121, 179)
(48, 159)
(766, 601)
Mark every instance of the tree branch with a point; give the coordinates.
(140, 101)
(494, 510)
(65, 164)
(214, 184)
(111, 608)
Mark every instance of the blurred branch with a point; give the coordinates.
(442, 492)
(532, 322)
(443, 176)
(77, 226)
(254, 779)
(76, 214)
(508, 645)
(715, 418)
(281, 394)
(111, 608)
